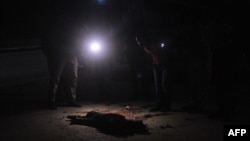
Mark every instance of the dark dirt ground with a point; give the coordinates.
(24, 115)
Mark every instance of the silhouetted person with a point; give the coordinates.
(158, 52)
(225, 76)
(103, 77)
(226, 68)
(101, 57)
(195, 57)
(138, 66)
(61, 49)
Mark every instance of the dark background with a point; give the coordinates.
(202, 30)
(26, 19)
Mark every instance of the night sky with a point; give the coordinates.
(22, 19)
(26, 18)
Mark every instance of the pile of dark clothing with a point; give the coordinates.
(110, 123)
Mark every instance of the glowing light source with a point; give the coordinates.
(162, 44)
(100, 1)
(95, 47)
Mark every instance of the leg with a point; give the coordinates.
(165, 88)
(70, 84)
(197, 86)
(158, 85)
(158, 88)
(55, 67)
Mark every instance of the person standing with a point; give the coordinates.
(61, 49)
(157, 51)
(138, 67)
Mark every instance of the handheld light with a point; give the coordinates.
(162, 45)
(95, 46)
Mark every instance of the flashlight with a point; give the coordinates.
(162, 45)
(95, 47)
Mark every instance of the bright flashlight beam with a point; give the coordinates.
(162, 44)
(95, 47)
